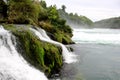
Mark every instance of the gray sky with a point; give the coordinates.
(93, 9)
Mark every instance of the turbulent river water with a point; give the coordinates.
(14, 67)
(97, 50)
(98, 53)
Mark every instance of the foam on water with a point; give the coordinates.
(104, 36)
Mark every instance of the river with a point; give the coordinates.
(98, 53)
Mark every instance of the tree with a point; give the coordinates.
(53, 13)
(63, 7)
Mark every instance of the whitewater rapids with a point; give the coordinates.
(68, 56)
(12, 65)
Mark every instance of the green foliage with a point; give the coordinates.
(61, 34)
(53, 14)
(22, 11)
(43, 15)
(35, 13)
(62, 37)
(43, 4)
(50, 21)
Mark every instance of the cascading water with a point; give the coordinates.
(12, 65)
(68, 56)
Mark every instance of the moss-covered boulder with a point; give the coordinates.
(61, 34)
(42, 55)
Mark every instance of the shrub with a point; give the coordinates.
(21, 11)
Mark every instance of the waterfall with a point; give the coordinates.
(12, 64)
(69, 57)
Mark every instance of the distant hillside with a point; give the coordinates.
(74, 20)
(108, 23)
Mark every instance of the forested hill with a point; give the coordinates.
(108, 23)
(74, 20)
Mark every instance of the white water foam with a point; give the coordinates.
(69, 57)
(12, 65)
(103, 36)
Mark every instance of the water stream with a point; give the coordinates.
(12, 65)
(68, 56)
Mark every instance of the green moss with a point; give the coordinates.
(42, 55)
(63, 38)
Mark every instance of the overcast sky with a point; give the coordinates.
(93, 9)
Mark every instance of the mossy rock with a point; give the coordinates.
(42, 55)
(63, 38)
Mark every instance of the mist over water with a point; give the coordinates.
(100, 36)
(98, 53)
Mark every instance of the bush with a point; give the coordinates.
(21, 11)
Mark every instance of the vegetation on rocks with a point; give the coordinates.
(42, 55)
(36, 13)
(54, 25)
(23, 12)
